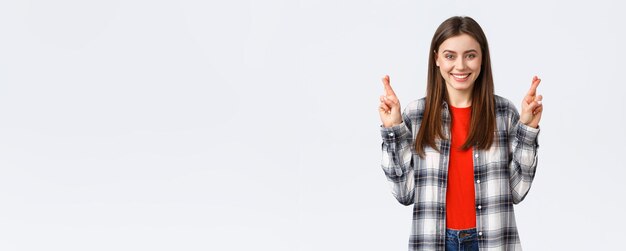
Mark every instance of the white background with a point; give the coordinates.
(253, 125)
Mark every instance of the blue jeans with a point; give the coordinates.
(461, 240)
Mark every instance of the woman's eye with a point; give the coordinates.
(449, 56)
(471, 56)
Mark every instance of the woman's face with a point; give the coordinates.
(459, 59)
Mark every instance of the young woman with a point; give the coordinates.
(462, 156)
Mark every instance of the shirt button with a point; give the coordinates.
(478, 181)
(391, 134)
(479, 207)
(476, 155)
(480, 233)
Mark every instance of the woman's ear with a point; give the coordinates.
(436, 58)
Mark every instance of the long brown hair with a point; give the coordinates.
(483, 119)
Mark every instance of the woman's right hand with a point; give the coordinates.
(389, 108)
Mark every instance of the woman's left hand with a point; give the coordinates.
(532, 106)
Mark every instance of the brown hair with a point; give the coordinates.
(483, 118)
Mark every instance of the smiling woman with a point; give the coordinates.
(462, 155)
(459, 64)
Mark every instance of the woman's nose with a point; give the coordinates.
(460, 64)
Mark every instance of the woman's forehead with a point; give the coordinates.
(460, 44)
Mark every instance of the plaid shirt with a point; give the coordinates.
(503, 175)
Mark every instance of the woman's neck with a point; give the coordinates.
(460, 99)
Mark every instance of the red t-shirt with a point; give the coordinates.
(460, 196)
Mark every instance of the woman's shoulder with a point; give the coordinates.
(416, 106)
(414, 111)
(505, 108)
(503, 103)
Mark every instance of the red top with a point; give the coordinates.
(460, 197)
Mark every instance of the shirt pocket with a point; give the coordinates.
(499, 150)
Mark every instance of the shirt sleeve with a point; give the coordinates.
(523, 147)
(397, 159)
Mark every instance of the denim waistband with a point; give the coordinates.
(461, 234)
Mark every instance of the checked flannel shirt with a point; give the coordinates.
(503, 175)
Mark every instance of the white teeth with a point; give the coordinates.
(460, 76)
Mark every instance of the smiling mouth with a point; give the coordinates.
(460, 76)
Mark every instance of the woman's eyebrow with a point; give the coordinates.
(467, 51)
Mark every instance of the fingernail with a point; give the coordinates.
(539, 102)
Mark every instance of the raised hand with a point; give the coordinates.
(532, 106)
(389, 108)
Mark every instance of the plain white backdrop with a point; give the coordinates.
(253, 125)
